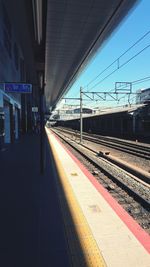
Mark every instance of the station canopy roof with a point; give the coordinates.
(75, 29)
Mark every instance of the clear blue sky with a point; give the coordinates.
(134, 26)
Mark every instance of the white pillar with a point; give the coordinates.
(81, 121)
(7, 138)
(16, 124)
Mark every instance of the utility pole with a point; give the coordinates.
(81, 120)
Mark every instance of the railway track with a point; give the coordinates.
(130, 191)
(117, 144)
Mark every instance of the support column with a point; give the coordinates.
(81, 119)
(16, 123)
(12, 132)
(7, 136)
(42, 130)
(23, 114)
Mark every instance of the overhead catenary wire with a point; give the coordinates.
(123, 64)
(141, 80)
(135, 82)
(118, 59)
(120, 66)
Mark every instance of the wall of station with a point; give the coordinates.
(12, 69)
(10, 113)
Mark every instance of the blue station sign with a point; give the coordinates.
(18, 88)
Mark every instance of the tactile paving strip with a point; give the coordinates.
(83, 249)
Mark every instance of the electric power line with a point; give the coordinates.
(118, 59)
(120, 66)
(146, 79)
(125, 63)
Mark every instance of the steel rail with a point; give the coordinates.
(133, 149)
(143, 202)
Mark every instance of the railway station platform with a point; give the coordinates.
(63, 217)
(31, 226)
(107, 235)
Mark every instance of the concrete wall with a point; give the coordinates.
(10, 71)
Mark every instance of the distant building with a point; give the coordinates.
(143, 96)
(68, 112)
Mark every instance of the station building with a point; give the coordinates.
(143, 96)
(16, 66)
(50, 206)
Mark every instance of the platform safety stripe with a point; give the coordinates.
(83, 248)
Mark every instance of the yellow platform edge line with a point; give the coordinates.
(90, 251)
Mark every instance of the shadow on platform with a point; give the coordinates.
(31, 227)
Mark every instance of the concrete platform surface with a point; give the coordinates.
(31, 226)
(120, 240)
